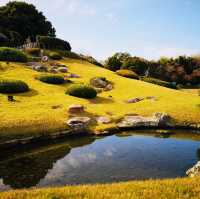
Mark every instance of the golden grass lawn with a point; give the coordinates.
(156, 189)
(33, 112)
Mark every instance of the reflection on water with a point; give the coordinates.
(109, 159)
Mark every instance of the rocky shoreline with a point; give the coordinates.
(79, 127)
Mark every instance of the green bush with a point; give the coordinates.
(127, 73)
(13, 86)
(51, 79)
(53, 43)
(82, 91)
(33, 51)
(55, 56)
(12, 54)
(159, 82)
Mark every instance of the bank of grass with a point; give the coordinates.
(186, 188)
(33, 112)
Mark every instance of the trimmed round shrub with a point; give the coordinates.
(13, 86)
(127, 73)
(51, 79)
(12, 54)
(159, 82)
(82, 91)
(33, 51)
(55, 56)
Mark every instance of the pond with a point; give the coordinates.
(123, 157)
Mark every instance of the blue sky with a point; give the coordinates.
(147, 28)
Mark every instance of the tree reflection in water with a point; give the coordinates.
(25, 171)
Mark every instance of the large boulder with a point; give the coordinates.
(194, 171)
(99, 82)
(79, 123)
(76, 109)
(136, 121)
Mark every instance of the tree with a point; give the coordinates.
(25, 19)
(113, 63)
(136, 64)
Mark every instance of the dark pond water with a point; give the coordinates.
(123, 157)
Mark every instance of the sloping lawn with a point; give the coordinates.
(33, 112)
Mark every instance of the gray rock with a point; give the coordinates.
(135, 100)
(76, 109)
(100, 82)
(194, 171)
(40, 68)
(135, 121)
(151, 98)
(53, 70)
(109, 87)
(79, 123)
(103, 120)
(164, 120)
(62, 69)
(73, 76)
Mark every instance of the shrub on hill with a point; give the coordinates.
(11, 54)
(53, 43)
(82, 91)
(72, 55)
(13, 86)
(33, 51)
(51, 79)
(159, 82)
(55, 56)
(127, 73)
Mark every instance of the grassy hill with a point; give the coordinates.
(33, 112)
(162, 189)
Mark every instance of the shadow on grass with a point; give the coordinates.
(101, 100)
(30, 93)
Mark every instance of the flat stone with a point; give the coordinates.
(78, 123)
(151, 98)
(103, 120)
(135, 121)
(194, 171)
(76, 109)
(135, 100)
